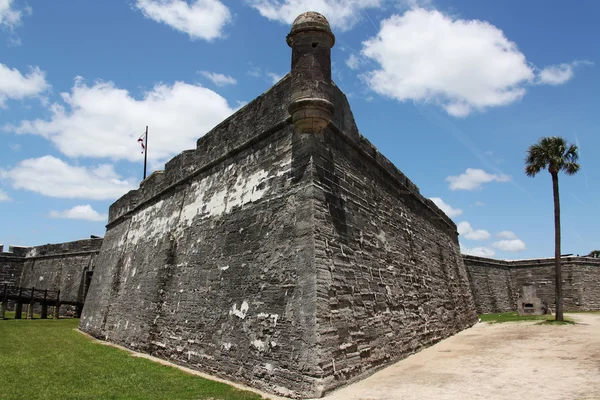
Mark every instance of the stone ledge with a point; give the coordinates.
(528, 263)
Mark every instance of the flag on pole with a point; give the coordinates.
(141, 142)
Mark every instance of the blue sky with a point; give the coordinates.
(453, 92)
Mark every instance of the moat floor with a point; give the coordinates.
(514, 360)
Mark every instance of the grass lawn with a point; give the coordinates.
(514, 317)
(47, 359)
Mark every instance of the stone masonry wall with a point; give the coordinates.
(220, 262)
(63, 267)
(581, 281)
(11, 265)
(390, 275)
(497, 285)
(211, 264)
(491, 285)
(217, 274)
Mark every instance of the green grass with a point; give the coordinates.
(513, 317)
(554, 322)
(48, 359)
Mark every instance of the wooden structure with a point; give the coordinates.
(31, 296)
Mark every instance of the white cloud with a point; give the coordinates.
(466, 230)
(353, 62)
(473, 178)
(85, 212)
(4, 196)
(219, 79)
(341, 14)
(507, 235)
(513, 245)
(200, 19)
(105, 121)
(274, 77)
(462, 65)
(446, 208)
(268, 76)
(478, 251)
(560, 73)
(9, 16)
(53, 177)
(556, 74)
(14, 85)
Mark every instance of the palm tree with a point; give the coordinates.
(556, 155)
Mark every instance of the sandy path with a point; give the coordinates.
(495, 362)
(510, 361)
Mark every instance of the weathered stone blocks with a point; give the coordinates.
(497, 285)
(291, 259)
(64, 266)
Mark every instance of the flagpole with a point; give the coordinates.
(146, 152)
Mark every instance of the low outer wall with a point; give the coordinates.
(61, 267)
(497, 285)
(491, 285)
(11, 265)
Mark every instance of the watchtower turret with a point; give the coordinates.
(311, 41)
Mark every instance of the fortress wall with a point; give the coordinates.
(217, 273)
(390, 275)
(280, 255)
(11, 265)
(61, 267)
(497, 285)
(491, 285)
(581, 281)
(250, 260)
(252, 123)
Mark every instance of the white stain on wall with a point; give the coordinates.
(241, 312)
(151, 223)
(205, 198)
(246, 189)
(258, 345)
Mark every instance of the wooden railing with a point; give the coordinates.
(31, 296)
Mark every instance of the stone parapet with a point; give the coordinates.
(497, 284)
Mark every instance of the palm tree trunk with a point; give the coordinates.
(557, 267)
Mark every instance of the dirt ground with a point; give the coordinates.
(508, 361)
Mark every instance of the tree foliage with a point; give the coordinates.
(555, 155)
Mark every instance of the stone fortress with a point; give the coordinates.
(67, 267)
(497, 285)
(285, 251)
